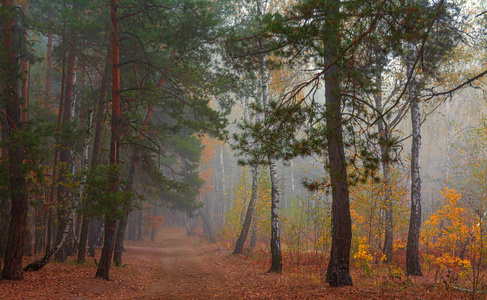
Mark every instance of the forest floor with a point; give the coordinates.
(179, 267)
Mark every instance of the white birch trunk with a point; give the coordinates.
(37, 265)
(276, 265)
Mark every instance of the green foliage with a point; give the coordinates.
(34, 139)
(104, 182)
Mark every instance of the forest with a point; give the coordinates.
(324, 143)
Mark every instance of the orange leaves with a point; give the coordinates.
(446, 234)
(210, 144)
(206, 175)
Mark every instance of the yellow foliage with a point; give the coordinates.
(235, 215)
(363, 258)
(445, 235)
(367, 207)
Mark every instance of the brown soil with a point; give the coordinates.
(182, 273)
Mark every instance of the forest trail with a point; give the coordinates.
(181, 271)
(179, 267)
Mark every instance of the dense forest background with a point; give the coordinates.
(352, 131)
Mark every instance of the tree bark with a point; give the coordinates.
(132, 234)
(4, 201)
(12, 268)
(39, 228)
(62, 237)
(389, 217)
(100, 108)
(384, 133)
(110, 222)
(24, 69)
(413, 266)
(338, 272)
(54, 179)
(103, 270)
(209, 228)
(65, 152)
(140, 224)
(122, 224)
(275, 243)
(96, 229)
(239, 245)
(154, 227)
(276, 261)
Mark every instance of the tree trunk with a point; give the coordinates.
(384, 133)
(154, 227)
(117, 253)
(39, 228)
(253, 237)
(24, 69)
(100, 108)
(122, 224)
(110, 223)
(96, 231)
(27, 251)
(83, 239)
(389, 217)
(61, 239)
(413, 266)
(276, 261)
(239, 245)
(338, 272)
(5, 200)
(12, 268)
(132, 234)
(62, 236)
(140, 224)
(54, 179)
(65, 152)
(209, 228)
(103, 270)
(276, 265)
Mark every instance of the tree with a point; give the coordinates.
(12, 268)
(435, 47)
(332, 37)
(103, 270)
(100, 108)
(412, 250)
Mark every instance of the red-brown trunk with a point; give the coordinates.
(110, 224)
(24, 69)
(56, 149)
(338, 272)
(65, 152)
(12, 268)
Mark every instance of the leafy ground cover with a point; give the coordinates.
(179, 267)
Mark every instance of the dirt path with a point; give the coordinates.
(181, 272)
(178, 267)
